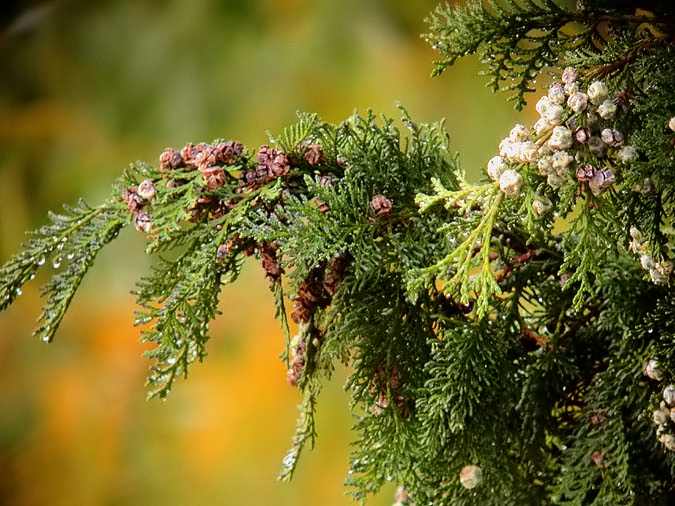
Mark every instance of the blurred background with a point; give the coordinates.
(85, 88)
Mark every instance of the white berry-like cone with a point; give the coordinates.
(470, 476)
(495, 167)
(669, 395)
(652, 369)
(597, 92)
(510, 183)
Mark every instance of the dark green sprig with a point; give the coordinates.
(516, 40)
(178, 302)
(305, 432)
(74, 238)
(78, 252)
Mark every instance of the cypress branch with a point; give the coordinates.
(509, 341)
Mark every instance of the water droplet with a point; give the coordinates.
(41, 261)
(57, 262)
(70, 256)
(45, 338)
(18, 291)
(289, 460)
(142, 320)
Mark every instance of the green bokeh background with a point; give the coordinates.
(87, 87)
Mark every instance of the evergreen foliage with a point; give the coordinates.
(509, 341)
